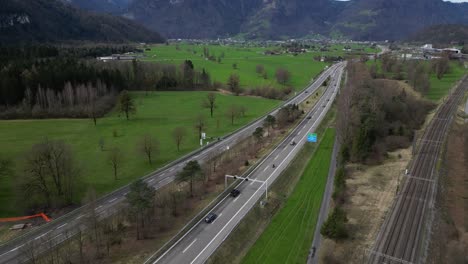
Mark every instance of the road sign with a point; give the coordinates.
(203, 135)
(312, 137)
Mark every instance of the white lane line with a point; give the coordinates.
(99, 207)
(251, 197)
(220, 215)
(112, 200)
(11, 250)
(171, 169)
(251, 183)
(189, 246)
(235, 199)
(151, 180)
(276, 156)
(265, 169)
(62, 225)
(79, 216)
(177, 242)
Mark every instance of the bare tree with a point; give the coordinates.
(91, 218)
(234, 83)
(200, 124)
(282, 75)
(210, 102)
(148, 146)
(51, 172)
(232, 112)
(115, 159)
(178, 134)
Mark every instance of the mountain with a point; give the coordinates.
(56, 21)
(442, 34)
(397, 19)
(276, 19)
(104, 6)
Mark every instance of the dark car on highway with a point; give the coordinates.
(235, 193)
(210, 218)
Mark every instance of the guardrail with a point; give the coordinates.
(201, 215)
(122, 189)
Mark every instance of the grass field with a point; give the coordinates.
(302, 66)
(289, 236)
(439, 88)
(157, 114)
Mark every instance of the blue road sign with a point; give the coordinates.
(312, 137)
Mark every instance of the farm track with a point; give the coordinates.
(406, 230)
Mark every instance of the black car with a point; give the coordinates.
(210, 218)
(235, 193)
(309, 117)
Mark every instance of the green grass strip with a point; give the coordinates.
(289, 236)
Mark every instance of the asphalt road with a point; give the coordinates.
(405, 234)
(197, 245)
(60, 229)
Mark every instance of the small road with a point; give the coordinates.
(324, 208)
(62, 228)
(198, 243)
(406, 231)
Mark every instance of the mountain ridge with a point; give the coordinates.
(279, 19)
(29, 21)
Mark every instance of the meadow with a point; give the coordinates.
(288, 237)
(438, 88)
(302, 67)
(157, 114)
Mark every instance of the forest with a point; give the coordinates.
(51, 82)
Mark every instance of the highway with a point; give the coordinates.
(406, 232)
(61, 228)
(198, 243)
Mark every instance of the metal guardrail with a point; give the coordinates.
(223, 195)
(101, 199)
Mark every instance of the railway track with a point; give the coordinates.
(404, 234)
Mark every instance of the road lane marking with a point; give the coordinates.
(62, 225)
(251, 197)
(277, 156)
(112, 200)
(177, 242)
(265, 169)
(79, 216)
(99, 207)
(235, 199)
(189, 246)
(151, 180)
(251, 183)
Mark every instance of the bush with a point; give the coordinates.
(339, 183)
(334, 228)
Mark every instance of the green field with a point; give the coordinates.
(157, 114)
(302, 66)
(289, 236)
(440, 88)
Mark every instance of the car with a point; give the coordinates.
(306, 91)
(235, 193)
(293, 143)
(324, 106)
(210, 218)
(309, 117)
(328, 100)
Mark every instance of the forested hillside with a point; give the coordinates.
(55, 21)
